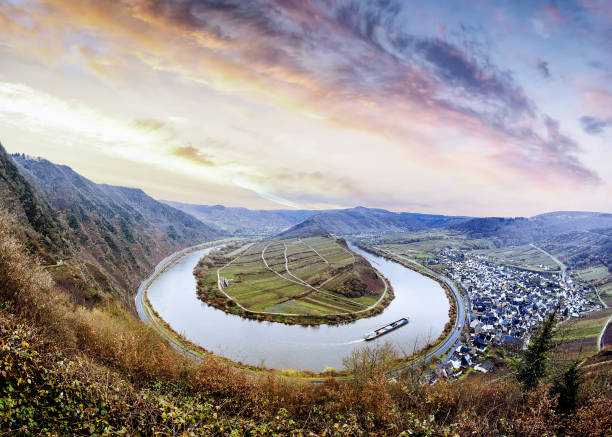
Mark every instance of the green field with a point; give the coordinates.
(524, 256)
(308, 276)
(596, 277)
(578, 337)
(593, 273)
(605, 291)
(425, 244)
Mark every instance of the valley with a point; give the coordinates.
(301, 350)
(305, 218)
(293, 300)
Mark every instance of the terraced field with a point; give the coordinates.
(578, 337)
(309, 276)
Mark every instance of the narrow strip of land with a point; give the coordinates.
(145, 313)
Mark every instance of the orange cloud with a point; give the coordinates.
(194, 155)
(338, 83)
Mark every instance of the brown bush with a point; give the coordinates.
(110, 341)
(22, 276)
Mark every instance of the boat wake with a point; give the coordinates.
(359, 340)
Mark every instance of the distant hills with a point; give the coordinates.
(243, 221)
(121, 233)
(352, 221)
(308, 228)
(582, 248)
(521, 230)
(361, 221)
(368, 221)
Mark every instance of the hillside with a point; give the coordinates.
(364, 221)
(113, 236)
(38, 219)
(521, 230)
(582, 248)
(308, 228)
(69, 370)
(73, 369)
(243, 221)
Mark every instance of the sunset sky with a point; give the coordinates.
(455, 107)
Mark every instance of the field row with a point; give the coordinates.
(259, 279)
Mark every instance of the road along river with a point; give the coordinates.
(173, 295)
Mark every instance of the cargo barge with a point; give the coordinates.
(386, 329)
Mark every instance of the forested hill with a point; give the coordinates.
(521, 230)
(243, 221)
(37, 218)
(360, 220)
(100, 234)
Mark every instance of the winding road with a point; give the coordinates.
(461, 319)
(602, 334)
(146, 314)
(604, 305)
(554, 258)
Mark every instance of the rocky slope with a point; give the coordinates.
(90, 233)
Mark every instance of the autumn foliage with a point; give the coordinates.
(69, 369)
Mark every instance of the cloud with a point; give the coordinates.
(361, 70)
(558, 149)
(544, 69)
(149, 124)
(192, 154)
(594, 125)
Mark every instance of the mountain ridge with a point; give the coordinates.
(243, 221)
(39, 222)
(521, 230)
(362, 220)
(113, 235)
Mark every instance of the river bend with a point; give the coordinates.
(173, 295)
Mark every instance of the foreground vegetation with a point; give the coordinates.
(296, 281)
(67, 369)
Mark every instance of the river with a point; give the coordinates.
(421, 299)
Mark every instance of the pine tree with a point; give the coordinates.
(567, 388)
(534, 363)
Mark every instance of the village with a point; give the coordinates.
(504, 305)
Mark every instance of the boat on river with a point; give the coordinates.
(386, 329)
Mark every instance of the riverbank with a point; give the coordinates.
(149, 315)
(453, 326)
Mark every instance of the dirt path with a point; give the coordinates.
(314, 250)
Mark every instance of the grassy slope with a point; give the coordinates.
(578, 337)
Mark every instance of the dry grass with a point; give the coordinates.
(161, 391)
